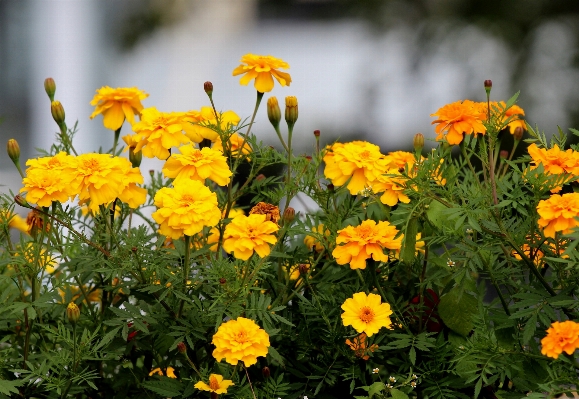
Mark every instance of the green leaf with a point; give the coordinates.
(275, 355)
(530, 328)
(412, 355)
(409, 244)
(457, 310)
(375, 388)
(165, 387)
(8, 387)
(398, 394)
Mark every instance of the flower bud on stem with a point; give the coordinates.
(13, 150)
(274, 116)
(50, 88)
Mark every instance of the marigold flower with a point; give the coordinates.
(270, 211)
(561, 337)
(315, 241)
(240, 340)
(392, 185)
(13, 220)
(368, 240)
(185, 209)
(558, 213)
(366, 313)
(246, 234)
(233, 145)
(555, 161)
(216, 384)
(458, 118)
(197, 164)
(400, 160)
(200, 125)
(360, 347)
(359, 162)
(157, 132)
(170, 372)
(262, 68)
(72, 313)
(117, 104)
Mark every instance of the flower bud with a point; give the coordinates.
(317, 133)
(57, 111)
(265, 372)
(151, 172)
(304, 268)
(488, 86)
(21, 201)
(13, 150)
(518, 133)
(135, 157)
(504, 154)
(208, 87)
(222, 281)
(182, 348)
(289, 214)
(273, 111)
(291, 110)
(72, 313)
(260, 177)
(50, 88)
(330, 187)
(418, 142)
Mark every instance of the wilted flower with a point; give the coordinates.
(262, 68)
(366, 313)
(360, 347)
(240, 340)
(270, 211)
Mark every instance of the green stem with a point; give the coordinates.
(116, 140)
(285, 147)
(185, 272)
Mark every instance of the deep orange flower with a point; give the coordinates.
(262, 68)
(559, 213)
(360, 346)
(118, 104)
(554, 160)
(561, 337)
(458, 118)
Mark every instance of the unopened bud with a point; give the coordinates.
(135, 157)
(518, 133)
(504, 154)
(289, 214)
(303, 268)
(265, 372)
(330, 187)
(222, 281)
(260, 177)
(13, 150)
(208, 87)
(317, 133)
(72, 313)
(134, 249)
(182, 348)
(291, 110)
(418, 142)
(50, 88)
(273, 111)
(151, 172)
(308, 158)
(57, 111)
(488, 86)
(21, 201)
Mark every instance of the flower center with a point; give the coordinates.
(366, 314)
(365, 154)
(241, 337)
(91, 164)
(213, 383)
(188, 199)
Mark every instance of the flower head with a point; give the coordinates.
(170, 372)
(558, 213)
(316, 240)
(270, 211)
(360, 347)
(185, 209)
(197, 164)
(117, 104)
(375, 370)
(458, 118)
(366, 313)
(240, 340)
(201, 125)
(216, 384)
(561, 337)
(368, 240)
(246, 234)
(233, 145)
(262, 68)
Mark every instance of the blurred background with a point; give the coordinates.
(361, 69)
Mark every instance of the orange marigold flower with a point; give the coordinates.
(240, 340)
(316, 240)
(262, 68)
(561, 337)
(216, 384)
(158, 131)
(359, 162)
(366, 313)
(400, 159)
(117, 104)
(185, 209)
(197, 164)
(554, 160)
(368, 240)
(170, 372)
(517, 115)
(458, 118)
(360, 346)
(246, 234)
(392, 185)
(270, 211)
(558, 213)
(200, 125)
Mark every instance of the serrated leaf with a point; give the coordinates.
(398, 394)
(530, 328)
(165, 387)
(457, 310)
(375, 388)
(9, 387)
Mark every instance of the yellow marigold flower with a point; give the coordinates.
(117, 104)
(313, 241)
(392, 185)
(359, 162)
(270, 211)
(195, 164)
(366, 313)
(233, 145)
(13, 221)
(200, 125)
(185, 209)
(360, 346)
(246, 234)
(518, 117)
(216, 384)
(561, 337)
(368, 240)
(262, 68)
(157, 132)
(458, 118)
(102, 178)
(399, 159)
(240, 340)
(558, 213)
(131, 140)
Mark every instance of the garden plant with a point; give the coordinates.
(449, 272)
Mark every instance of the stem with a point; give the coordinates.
(185, 272)
(290, 130)
(116, 139)
(251, 386)
(285, 147)
(246, 136)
